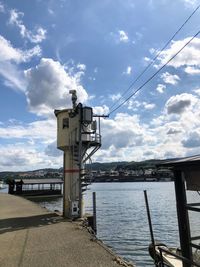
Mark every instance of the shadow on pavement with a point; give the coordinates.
(19, 223)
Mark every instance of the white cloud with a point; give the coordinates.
(48, 87)
(192, 140)
(128, 70)
(161, 88)
(81, 66)
(192, 70)
(13, 78)
(180, 103)
(148, 106)
(170, 78)
(147, 59)
(9, 53)
(120, 36)
(44, 130)
(51, 150)
(23, 157)
(190, 3)
(190, 56)
(197, 91)
(10, 58)
(115, 97)
(2, 9)
(101, 110)
(29, 146)
(134, 105)
(123, 36)
(16, 19)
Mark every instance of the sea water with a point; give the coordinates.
(122, 222)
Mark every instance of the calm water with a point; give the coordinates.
(122, 221)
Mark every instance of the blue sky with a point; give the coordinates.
(98, 48)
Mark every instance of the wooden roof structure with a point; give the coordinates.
(186, 172)
(40, 181)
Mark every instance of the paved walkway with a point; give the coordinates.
(31, 236)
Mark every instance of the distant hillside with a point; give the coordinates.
(108, 166)
(121, 165)
(124, 165)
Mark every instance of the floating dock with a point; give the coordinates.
(32, 236)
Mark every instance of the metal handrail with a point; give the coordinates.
(161, 249)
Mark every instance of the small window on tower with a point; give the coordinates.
(65, 123)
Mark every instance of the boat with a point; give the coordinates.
(186, 177)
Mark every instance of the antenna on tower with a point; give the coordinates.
(74, 98)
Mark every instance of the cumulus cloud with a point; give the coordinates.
(101, 110)
(16, 19)
(192, 141)
(197, 91)
(122, 131)
(23, 156)
(48, 87)
(192, 70)
(123, 36)
(44, 130)
(52, 151)
(174, 130)
(161, 88)
(134, 105)
(10, 58)
(115, 97)
(190, 56)
(179, 103)
(170, 78)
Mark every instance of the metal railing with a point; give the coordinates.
(187, 262)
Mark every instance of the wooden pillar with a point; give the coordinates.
(183, 219)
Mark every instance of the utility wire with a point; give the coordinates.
(148, 80)
(156, 56)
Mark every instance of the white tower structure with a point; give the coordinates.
(79, 137)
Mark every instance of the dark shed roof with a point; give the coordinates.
(183, 163)
(40, 181)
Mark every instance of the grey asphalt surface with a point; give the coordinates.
(31, 236)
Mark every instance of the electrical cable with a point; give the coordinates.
(151, 77)
(156, 56)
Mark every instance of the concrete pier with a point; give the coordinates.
(31, 236)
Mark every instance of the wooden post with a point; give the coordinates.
(183, 219)
(94, 213)
(150, 227)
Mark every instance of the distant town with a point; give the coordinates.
(103, 172)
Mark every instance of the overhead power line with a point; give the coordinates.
(148, 80)
(156, 56)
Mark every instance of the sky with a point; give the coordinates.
(98, 48)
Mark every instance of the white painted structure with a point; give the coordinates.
(79, 138)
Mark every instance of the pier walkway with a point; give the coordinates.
(31, 236)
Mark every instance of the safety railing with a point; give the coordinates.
(187, 262)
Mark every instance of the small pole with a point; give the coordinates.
(94, 212)
(150, 225)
